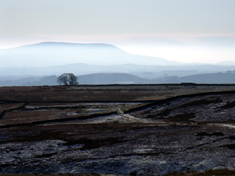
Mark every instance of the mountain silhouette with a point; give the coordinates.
(55, 53)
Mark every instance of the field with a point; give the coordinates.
(117, 129)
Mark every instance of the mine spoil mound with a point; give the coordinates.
(147, 133)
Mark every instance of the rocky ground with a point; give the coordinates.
(184, 133)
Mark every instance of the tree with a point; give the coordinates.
(68, 79)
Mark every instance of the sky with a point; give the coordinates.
(179, 30)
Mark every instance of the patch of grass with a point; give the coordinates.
(108, 110)
(123, 109)
(87, 111)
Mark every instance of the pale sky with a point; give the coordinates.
(178, 30)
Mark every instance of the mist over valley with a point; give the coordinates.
(98, 63)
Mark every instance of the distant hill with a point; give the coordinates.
(97, 78)
(48, 80)
(112, 78)
(210, 78)
(227, 77)
(137, 70)
(124, 78)
(31, 81)
(55, 53)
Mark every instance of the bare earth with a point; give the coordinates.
(117, 129)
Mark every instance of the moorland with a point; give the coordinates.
(117, 129)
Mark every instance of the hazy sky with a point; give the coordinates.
(179, 30)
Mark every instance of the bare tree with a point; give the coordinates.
(68, 79)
